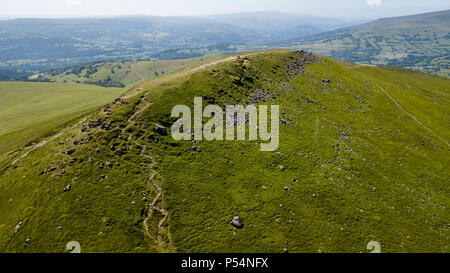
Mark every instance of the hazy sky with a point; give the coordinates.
(326, 8)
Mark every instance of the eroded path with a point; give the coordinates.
(161, 236)
(411, 116)
(44, 142)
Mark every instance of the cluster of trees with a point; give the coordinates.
(11, 75)
(175, 54)
(430, 62)
(107, 83)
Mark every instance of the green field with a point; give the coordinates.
(29, 110)
(364, 152)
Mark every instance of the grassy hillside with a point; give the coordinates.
(364, 158)
(29, 110)
(418, 42)
(122, 73)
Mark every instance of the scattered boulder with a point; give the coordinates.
(71, 151)
(18, 226)
(297, 65)
(67, 188)
(84, 128)
(287, 189)
(161, 130)
(261, 96)
(281, 167)
(344, 134)
(237, 222)
(122, 101)
(106, 126)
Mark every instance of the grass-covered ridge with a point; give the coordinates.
(362, 161)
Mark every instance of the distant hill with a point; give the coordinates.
(420, 42)
(39, 45)
(120, 73)
(272, 21)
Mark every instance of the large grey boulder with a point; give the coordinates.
(237, 222)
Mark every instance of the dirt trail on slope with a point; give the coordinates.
(152, 208)
(157, 204)
(209, 64)
(44, 142)
(176, 74)
(137, 73)
(410, 115)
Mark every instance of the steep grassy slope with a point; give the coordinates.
(361, 160)
(418, 42)
(30, 110)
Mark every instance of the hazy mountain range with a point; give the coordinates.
(36, 45)
(42, 44)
